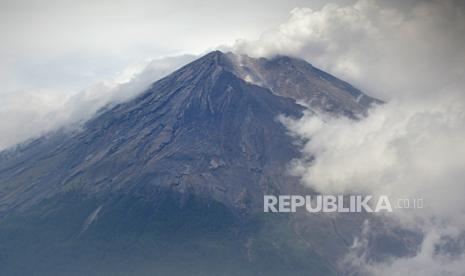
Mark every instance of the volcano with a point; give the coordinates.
(171, 182)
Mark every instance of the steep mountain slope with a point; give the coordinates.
(201, 129)
(172, 182)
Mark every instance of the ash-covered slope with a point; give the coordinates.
(172, 182)
(201, 129)
(295, 78)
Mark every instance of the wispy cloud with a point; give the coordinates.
(30, 113)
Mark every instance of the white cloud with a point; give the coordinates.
(411, 147)
(433, 258)
(404, 149)
(30, 113)
(385, 51)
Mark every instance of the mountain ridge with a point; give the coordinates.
(180, 169)
(192, 97)
(205, 91)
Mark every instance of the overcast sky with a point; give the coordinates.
(69, 44)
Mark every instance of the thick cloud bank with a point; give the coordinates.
(386, 51)
(29, 114)
(404, 149)
(411, 147)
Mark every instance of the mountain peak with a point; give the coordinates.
(295, 78)
(216, 58)
(283, 76)
(214, 54)
(199, 146)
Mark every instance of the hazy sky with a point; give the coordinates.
(69, 44)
